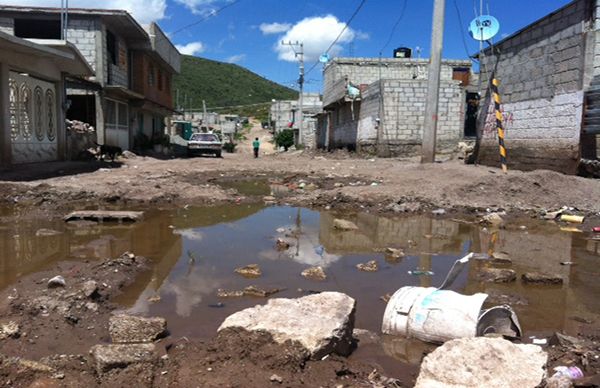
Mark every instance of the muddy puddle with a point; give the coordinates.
(195, 251)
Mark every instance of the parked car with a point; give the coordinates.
(204, 143)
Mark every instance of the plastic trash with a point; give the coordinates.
(596, 229)
(419, 272)
(570, 372)
(572, 219)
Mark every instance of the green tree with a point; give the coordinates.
(285, 139)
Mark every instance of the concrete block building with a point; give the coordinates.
(549, 75)
(377, 106)
(285, 114)
(129, 92)
(33, 101)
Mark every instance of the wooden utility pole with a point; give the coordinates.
(300, 55)
(433, 83)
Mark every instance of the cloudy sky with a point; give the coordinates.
(249, 32)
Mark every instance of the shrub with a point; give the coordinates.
(229, 147)
(285, 139)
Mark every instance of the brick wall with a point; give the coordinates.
(402, 116)
(541, 70)
(161, 95)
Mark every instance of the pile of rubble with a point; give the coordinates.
(79, 126)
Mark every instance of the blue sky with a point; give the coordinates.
(234, 34)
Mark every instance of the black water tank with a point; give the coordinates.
(402, 52)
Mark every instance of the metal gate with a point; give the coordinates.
(33, 121)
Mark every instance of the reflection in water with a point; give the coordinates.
(194, 252)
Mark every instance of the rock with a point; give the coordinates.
(249, 271)
(493, 219)
(371, 266)
(269, 199)
(282, 245)
(128, 155)
(35, 366)
(132, 329)
(438, 212)
(315, 273)
(46, 232)
(260, 292)
(321, 323)
(558, 382)
(540, 278)
(91, 306)
(498, 275)
(109, 357)
(90, 289)
(57, 281)
(565, 340)
(406, 207)
(229, 294)
(501, 258)
(276, 379)
(483, 362)
(340, 224)
(365, 337)
(393, 254)
(10, 330)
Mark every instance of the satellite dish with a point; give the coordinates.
(324, 58)
(484, 27)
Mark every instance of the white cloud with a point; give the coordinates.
(274, 28)
(236, 58)
(199, 7)
(144, 11)
(317, 33)
(192, 48)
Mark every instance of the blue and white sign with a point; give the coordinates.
(484, 27)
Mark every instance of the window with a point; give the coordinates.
(111, 113)
(37, 29)
(112, 48)
(160, 80)
(117, 115)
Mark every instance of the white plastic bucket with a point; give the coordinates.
(432, 315)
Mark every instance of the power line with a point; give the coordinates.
(395, 26)
(462, 32)
(212, 14)
(356, 11)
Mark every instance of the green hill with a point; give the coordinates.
(224, 84)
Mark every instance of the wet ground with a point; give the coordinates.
(194, 252)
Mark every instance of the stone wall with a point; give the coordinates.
(541, 70)
(402, 116)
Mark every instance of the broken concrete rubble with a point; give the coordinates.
(10, 330)
(498, 275)
(371, 266)
(57, 281)
(540, 278)
(321, 323)
(483, 362)
(493, 219)
(109, 357)
(249, 271)
(90, 289)
(315, 273)
(132, 329)
(344, 225)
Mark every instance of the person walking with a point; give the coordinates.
(256, 146)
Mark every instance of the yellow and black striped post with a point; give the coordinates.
(499, 120)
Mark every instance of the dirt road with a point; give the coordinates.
(333, 180)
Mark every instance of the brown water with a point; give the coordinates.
(195, 251)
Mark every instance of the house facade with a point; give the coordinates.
(377, 106)
(285, 114)
(33, 101)
(549, 74)
(129, 93)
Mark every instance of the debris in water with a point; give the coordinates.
(217, 305)
(571, 372)
(419, 272)
(260, 292)
(371, 266)
(344, 225)
(315, 273)
(154, 299)
(386, 298)
(282, 245)
(568, 263)
(229, 294)
(249, 271)
(540, 278)
(572, 218)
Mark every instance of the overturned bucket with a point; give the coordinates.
(432, 315)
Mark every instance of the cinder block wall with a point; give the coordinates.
(541, 71)
(403, 113)
(82, 33)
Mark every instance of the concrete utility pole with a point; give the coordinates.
(433, 83)
(300, 55)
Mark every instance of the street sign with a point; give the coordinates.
(484, 27)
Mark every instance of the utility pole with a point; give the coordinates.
(204, 114)
(300, 55)
(433, 83)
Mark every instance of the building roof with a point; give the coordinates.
(66, 56)
(118, 19)
(363, 61)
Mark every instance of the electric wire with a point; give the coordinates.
(356, 11)
(394, 27)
